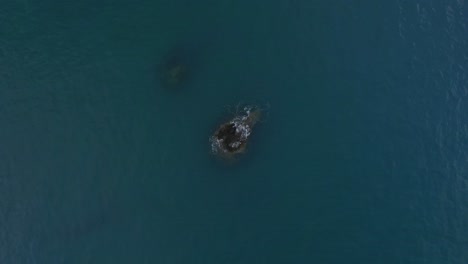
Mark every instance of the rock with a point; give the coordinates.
(174, 72)
(231, 137)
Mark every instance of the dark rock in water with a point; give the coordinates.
(180, 63)
(174, 71)
(185, 58)
(231, 137)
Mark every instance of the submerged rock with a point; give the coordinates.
(174, 71)
(186, 56)
(231, 137)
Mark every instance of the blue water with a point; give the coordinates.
(361, 156)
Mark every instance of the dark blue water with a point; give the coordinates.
(361, 156)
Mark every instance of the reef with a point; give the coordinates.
(173, 71)
(232, 136)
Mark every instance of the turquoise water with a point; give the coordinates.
(361, 156)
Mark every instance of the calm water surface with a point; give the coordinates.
(361, 158)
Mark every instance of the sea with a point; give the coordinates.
(360, 156)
